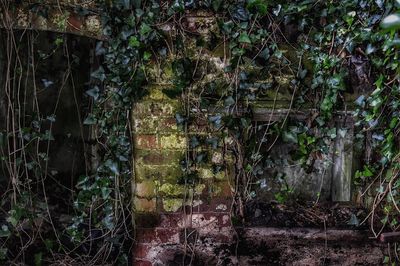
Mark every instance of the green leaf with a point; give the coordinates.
(134, 42)
(261, 6)
(90, 120)
(105, 192)
(145, 29)
(113, 166)
(288, 136)
(244, 38)
(94, 92)
(146, 56)
(391, 22)
(229, 101)
(99, 74)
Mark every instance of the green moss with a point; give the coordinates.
(173, 141)
(172, 205)
(172, 190)
(167, 173)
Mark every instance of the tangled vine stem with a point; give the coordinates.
(337, 48)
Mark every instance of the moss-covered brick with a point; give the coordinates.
(146, 189)
(159, 157)
(173, 141)
(172, 205)
(206, 173)
(160, 73)
(145, 205)
(172, 190)
(167, 124)
(199, 189)
(146, 125)
(146, 141)
(155, 108)
(164, 173)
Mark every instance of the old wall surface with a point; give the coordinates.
(180, 222)
(172, 214)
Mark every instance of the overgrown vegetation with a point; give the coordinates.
(337, 49)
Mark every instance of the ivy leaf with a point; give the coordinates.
(47, 83)
(90, 120)
(134, 42)
(126, 33)
(194, 142)
(260, 6)
(216, 4)
(99, 74)
(264, 54)
(100, 49)
(51, 118)
(240, 13)
(360, 101)
(94, 92)
(229, 101)
(277, 10)
(213, 142)
(215, 120)
(289, 136)
(180, 119)
(113, 166)
(146, 56)
(391, 22)
(244, 38)
(105, 192)
(145, 29)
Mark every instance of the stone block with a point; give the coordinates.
(173, 141)
(172, 190)
(145, 205)
(146, 125)
(146, 189)
(146, 142)
(172, 205)
(162, 173)
(159, 157)
(155, 108)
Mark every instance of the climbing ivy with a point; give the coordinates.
(339, 48)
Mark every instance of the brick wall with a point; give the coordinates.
(168, 212)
